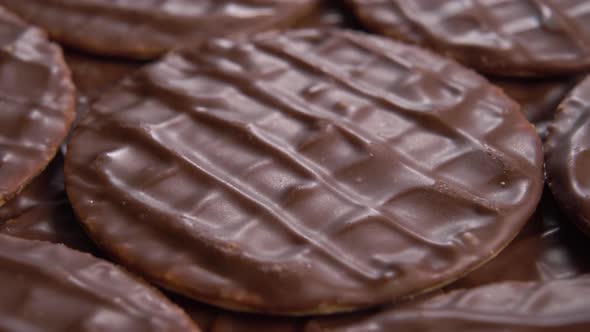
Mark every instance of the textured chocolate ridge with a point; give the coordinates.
(42, 212)
(512, 38)
(567, 155)
(279, 175)
(147, 29)
(549, 306)
(52, 288)
(37, 102)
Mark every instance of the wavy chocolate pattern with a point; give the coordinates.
(48, 287)
(36, 102)
(147, 29)
(567, 154)
(545, 306)
(42, 212)
(311, 171)
(502, 37)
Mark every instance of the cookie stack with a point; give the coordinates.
(294, 165)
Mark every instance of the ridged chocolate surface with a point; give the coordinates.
(567, 154)
(144, 29)
(42, 212)
(548, 248)
(538, 98)
(36, 103)
(550, 306)
(48, 287)
(506, 37)
(311, 171)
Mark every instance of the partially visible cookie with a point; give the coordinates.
(567, 155)
(548, 248)
(42, 212)
(48, 287)
(538, 98)
(304, 172)
(543, 306)
(144, 29)
(509, 38)
(37, 101)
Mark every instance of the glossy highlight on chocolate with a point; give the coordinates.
(567, 154)
(36, 103)
(544, 306)
(509, 38)
(147, 29)
(48, 287)
(303, 172)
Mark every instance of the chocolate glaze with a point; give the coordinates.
(547, 306)
(547, 248)
(311, 171)
(42, 212)
(511, 38)
(48, 287)
(148, 28)
(567, 154)
(538, 98)
(36, 103)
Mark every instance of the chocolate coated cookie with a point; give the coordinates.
(42, 212)
(304, 172)
(510, 38)
(544, 306)
(144, 29)
(548, 248)
(36, 103)
(48, 287)
(567, 154)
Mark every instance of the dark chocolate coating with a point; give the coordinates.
(144, 29)
(548, 248)
(36, 103)
(543, 306)
(42, 212)
(510, 38)
(305, 172)
(48, 287)
(567, 154)
(538, 98)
